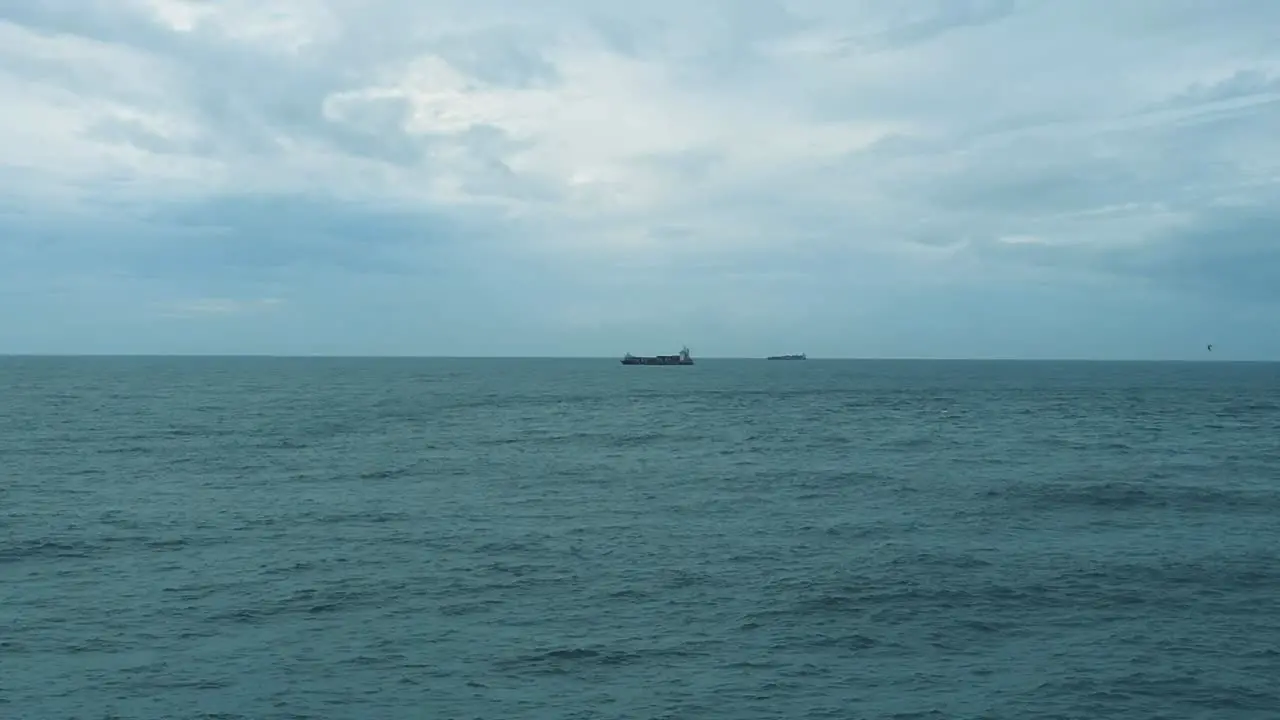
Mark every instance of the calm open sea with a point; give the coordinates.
(386, 539)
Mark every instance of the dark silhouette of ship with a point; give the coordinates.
(683, 358)
(801, 356)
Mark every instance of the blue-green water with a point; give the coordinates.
(369, 539)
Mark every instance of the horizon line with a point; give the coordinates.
(904, 358)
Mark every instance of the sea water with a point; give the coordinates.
(348, 539)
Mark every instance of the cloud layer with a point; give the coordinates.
(936, 178)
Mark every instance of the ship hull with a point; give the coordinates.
(787, 357)
(657, 360)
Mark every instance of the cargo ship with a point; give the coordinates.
(683, 358)
(801, 356)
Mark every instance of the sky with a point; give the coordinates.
(846, 178)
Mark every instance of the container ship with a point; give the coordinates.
(683, 358)
(801, 356)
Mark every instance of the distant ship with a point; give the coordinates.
(801, 356)
(682, 359)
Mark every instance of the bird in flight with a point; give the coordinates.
(1210, 346)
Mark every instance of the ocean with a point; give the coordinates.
(360, 539)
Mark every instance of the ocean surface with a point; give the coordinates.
(354, 539)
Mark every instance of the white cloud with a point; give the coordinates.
(285, 27)
(216, 307)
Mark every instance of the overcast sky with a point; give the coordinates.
(945, 178)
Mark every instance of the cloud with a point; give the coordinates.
(857, 177)
(214, 307)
